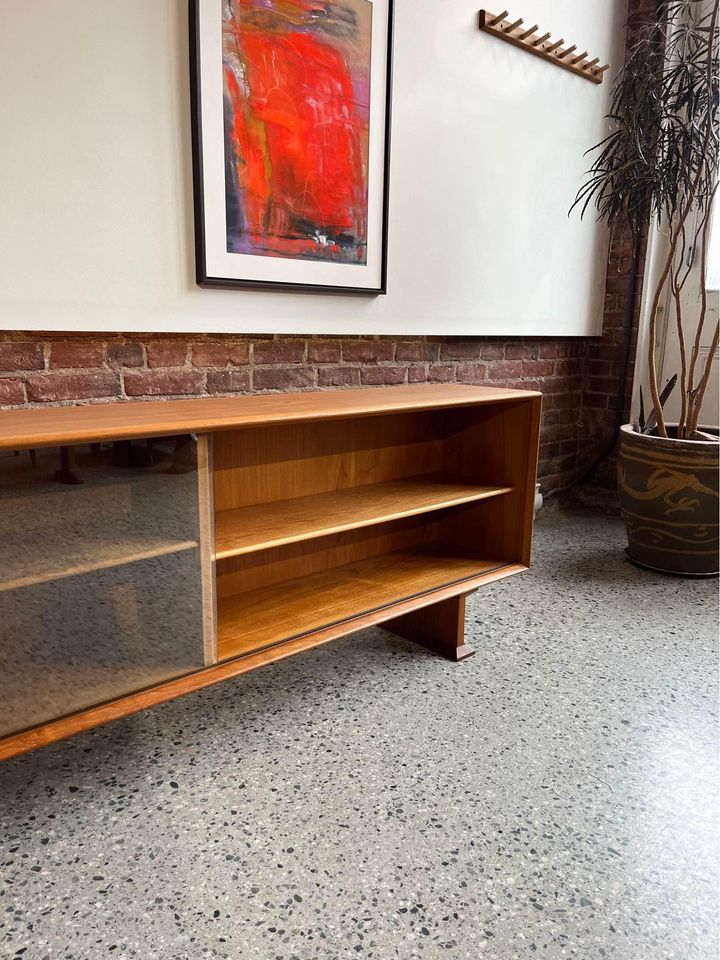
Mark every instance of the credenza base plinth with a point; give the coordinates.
(439, 627)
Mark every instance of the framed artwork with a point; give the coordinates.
(291, 140)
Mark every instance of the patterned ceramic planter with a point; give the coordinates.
(669, 498)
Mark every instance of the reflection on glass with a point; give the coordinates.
(100, 588)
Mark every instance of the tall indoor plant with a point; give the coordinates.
(659, 167)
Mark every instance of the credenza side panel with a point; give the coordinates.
(498, 443)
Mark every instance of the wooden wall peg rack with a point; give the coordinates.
(542, 45)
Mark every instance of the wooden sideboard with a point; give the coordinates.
(150, 549)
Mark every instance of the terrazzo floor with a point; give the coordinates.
(554, 796)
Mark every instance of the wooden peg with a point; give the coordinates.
(542, 39)
(526, 34)
(588, 66)
(554, 46)
(603, 68)
(564, 53)
(499, 18)
(513, 26)
(581, 57)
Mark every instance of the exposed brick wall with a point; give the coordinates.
(604, 361)
(38, 371)
(579, 378)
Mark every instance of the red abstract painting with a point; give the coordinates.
(297, 105)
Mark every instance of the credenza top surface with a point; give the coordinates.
(118, 420)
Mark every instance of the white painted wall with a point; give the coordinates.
(96, 225)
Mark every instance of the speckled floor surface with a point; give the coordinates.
(554, 796)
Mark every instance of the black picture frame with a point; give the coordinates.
(203, 278)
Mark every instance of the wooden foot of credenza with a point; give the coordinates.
(66, 473)
(439, 627)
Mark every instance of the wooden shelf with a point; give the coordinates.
(262, 617)
(289, 521)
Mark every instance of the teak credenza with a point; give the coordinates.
(150, 549)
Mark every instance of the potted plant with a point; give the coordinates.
(658, 168)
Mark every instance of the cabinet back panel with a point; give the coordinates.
(240, 574)
(264, 464)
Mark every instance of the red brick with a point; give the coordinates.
(567, 368)
(549, 450)
(492, 351)
(505, 370)
(21, 356)
(417, 373)
(620, 247)
(442, 372)
(564, 462)
(471, 372)
(220, 354)
(50, 387)
(602, 385)
(373, 376)
(367, 351)
(538, 368)
(562, 431)
(324, 351)
(555, 385)
(547, 351)
(461, 350)
(613, 326)
(543, 468)
(617, 284)
(156, 383)
(524, 384)
(605, 351)
(275, 378)
(624, 265)
(228, 381)
(279, 351)
(11, 391)
(614, 335)
(77, 353)
(416, 350)
(521, 351)
(339, 377)
(166, 353)
(125, 354)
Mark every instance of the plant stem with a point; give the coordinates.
(652, 369)
(677, 286)
(694, 413)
